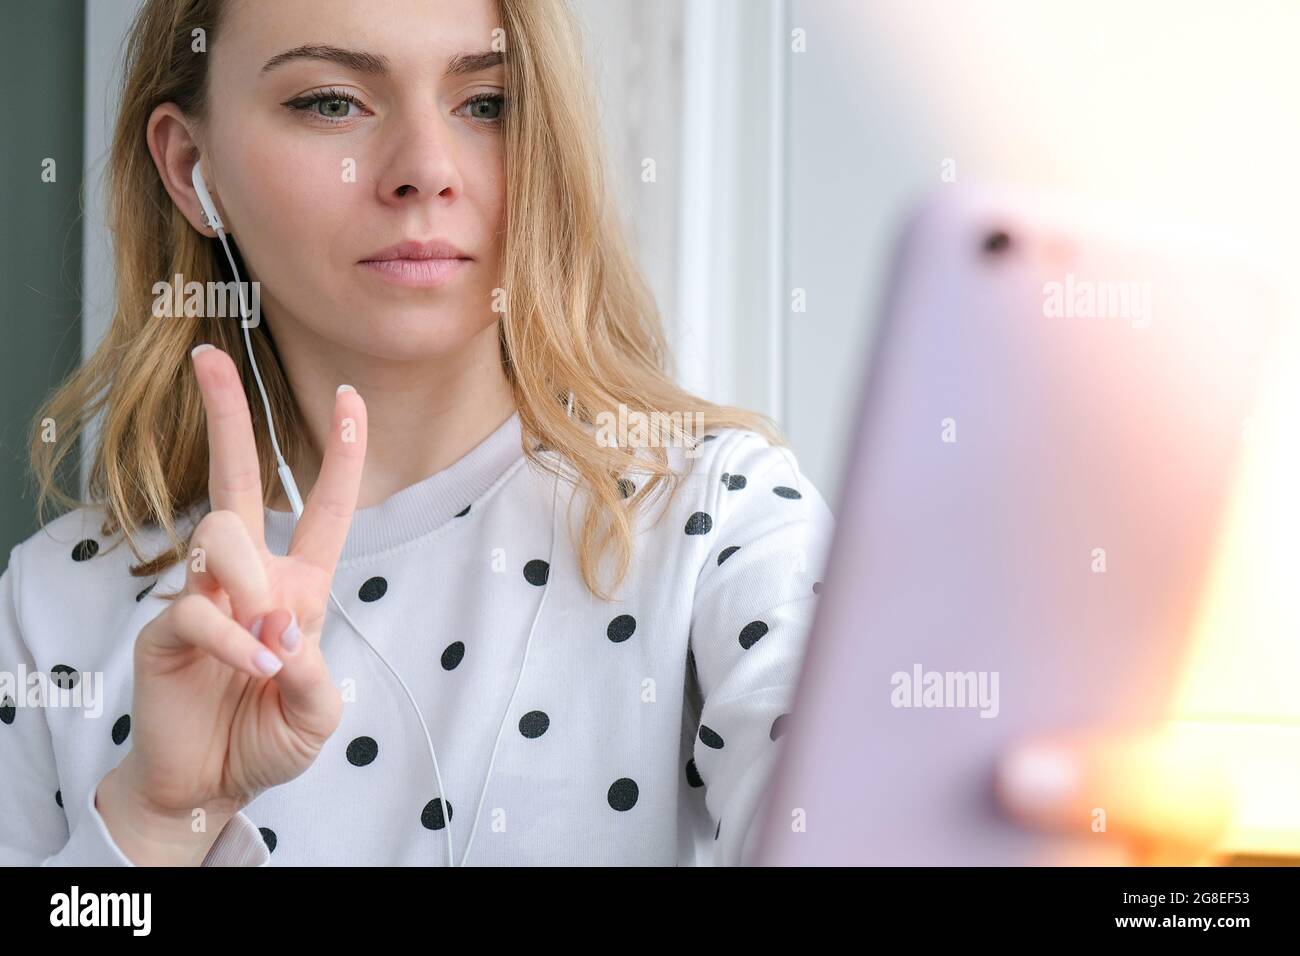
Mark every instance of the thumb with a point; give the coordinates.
(1169, 799)
(310, 702)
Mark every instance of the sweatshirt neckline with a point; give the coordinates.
(422, 507)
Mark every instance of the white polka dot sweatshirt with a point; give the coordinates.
(642, 731)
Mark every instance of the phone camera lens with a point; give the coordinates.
(997, 242)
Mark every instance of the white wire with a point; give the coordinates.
(248, 344)
(550, 567)
(437, 774)
(286, 476)
(266, 404)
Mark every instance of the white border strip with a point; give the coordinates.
(696, 275)
(778, 261)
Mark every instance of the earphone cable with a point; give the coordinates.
(550, 567)
(295, 500)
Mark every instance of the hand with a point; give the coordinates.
(1167, 799)
(219, 716)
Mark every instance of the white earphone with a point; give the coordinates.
(214, 222)
(295, 501)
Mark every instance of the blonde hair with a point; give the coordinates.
(579, 315)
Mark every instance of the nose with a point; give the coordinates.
(422, 163)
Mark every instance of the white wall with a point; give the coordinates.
(699, 88)
(634, 53)
(106, 25)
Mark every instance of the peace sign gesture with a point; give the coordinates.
(232, 694)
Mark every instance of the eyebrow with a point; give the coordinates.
(374, 64)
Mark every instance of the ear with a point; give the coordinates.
(175, 151)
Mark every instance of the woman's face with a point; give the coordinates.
(311, 185)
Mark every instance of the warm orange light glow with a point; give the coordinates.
(1239, 698)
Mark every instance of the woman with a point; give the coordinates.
(599, 638)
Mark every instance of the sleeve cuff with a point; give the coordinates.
(90, 843)
(240, 843)
(745, 812)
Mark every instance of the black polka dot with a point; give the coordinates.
(58, 797)
(710, 737)
(373, 589)
(143, 594)
(778, 726)
(728, 552)
(536, 572)
(85, 550)
(533, 724)
(621, 628)
(693, 775)
(751, 632)
(453, 655)
(65, 677)
(626, 487)
(121, 729)
(461, 514)
(733, 482)
(623, 793)
(699, 523)
(8, 710)
(708, 438)
(817, 587)
(785, 492)
(362, 751)
(269, 838)
(431, 815)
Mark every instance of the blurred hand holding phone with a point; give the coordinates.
(1049, 499)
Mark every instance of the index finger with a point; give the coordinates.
(322, 530)
(234, 475)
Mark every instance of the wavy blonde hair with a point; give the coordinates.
(579, 316)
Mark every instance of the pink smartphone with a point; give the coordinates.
(1047, 437)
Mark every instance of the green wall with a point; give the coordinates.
(42, 51)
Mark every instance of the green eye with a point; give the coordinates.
(334, 106)
(334, 113)
(336, 103)
(487, 107)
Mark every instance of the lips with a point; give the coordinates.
(415, 250)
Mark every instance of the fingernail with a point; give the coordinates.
(266, 662)
(256, 627)
(1038, 776)
(345, 388)
(291, 637)
(194, 353)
